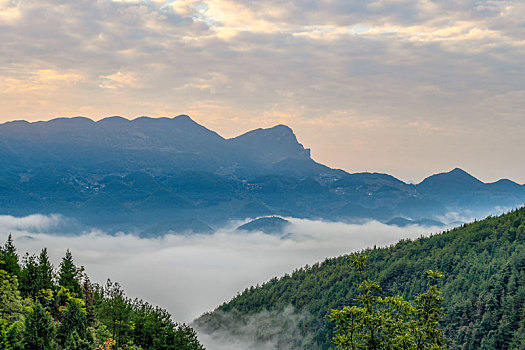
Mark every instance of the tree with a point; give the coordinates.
(115, 312)
(377, 322)
(89, 297)
(45, 271)
(39, 330)
(29, 277)
(15, 336)
(10, 301)
(76, 342)
(73, 320)
(69, 275)
(4, 343)
(9, 258)
(73, 328)
(186, 339)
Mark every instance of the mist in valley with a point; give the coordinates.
(192, 274)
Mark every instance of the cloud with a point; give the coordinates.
(9, 12)
(265, 330)
(118, 80)
(235, 64)
(193, 274)
(40, 80)
(32, 223)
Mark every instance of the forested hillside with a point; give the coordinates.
(46, 308)
(484, 288)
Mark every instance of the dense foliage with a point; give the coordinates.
(483, 290)
(391, 322)
(46, 308)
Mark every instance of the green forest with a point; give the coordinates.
(481, 297)
(483, 288)
(46, 308)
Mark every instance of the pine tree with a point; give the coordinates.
(115, 312)
(29, 286)
(45, 271)
(69, 275)
(89, 297)
(10, 258)
(186, 339)
(76, 342)
(39, 330)
(73, 321)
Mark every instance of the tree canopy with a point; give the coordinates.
(390, 322)
(41, 308)
(483, 288)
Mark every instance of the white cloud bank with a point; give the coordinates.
(189, 275)
(31, 223)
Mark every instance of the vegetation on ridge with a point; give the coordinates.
(483, 290)
(42, 308)
(391, 322)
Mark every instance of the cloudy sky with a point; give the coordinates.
(408, 87)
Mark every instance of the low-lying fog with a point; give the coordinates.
(191, 274)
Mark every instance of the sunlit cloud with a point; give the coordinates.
(39, 79)
(9, 11)
(118, 80)
(251, 63)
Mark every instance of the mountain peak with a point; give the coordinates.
(114, 120)
(506, 185)
(183, 117)
(271, 145)
(73, 120)
(277, 130)
(458, 171)
(457, 180)
(281, 128)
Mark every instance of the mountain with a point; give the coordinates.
(120, 174)
(402, 222)
(270, 225)
(158, 145)
(483, 289)
(270, 146)
(456, 180)
(457, 189)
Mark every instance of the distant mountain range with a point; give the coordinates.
(155, 145)
(156, 175)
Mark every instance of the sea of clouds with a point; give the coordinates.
(191, 274)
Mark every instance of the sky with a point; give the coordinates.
(406, 87)
(189, 275)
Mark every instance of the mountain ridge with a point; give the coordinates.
(182, 143)
(16, 124)
(65, 164)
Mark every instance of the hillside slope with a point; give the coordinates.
(484, 289)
